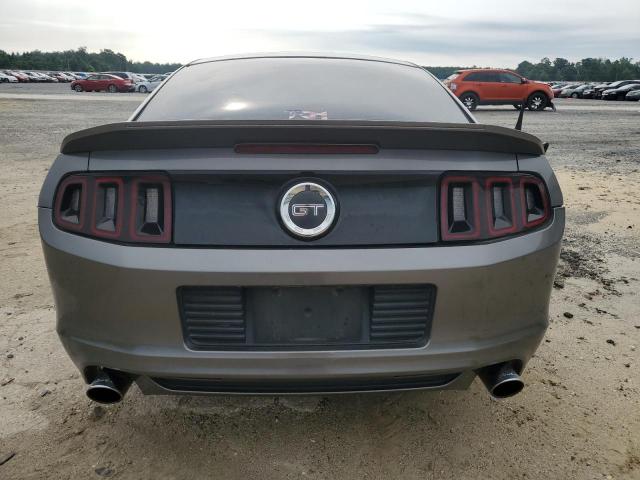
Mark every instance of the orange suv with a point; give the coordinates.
(498, 87)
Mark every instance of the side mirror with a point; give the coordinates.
(524, 80)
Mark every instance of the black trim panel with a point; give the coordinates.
(218, 318)
(220, 209)
(393, 135)
(305, 385)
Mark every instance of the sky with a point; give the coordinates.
(437, 33)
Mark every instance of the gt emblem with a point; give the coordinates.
(307, 210)
(302, 209)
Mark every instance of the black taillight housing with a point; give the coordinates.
(487, 206)
(131, 208)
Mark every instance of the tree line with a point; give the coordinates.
(587, 69)
(80, 60)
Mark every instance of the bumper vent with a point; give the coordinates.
(213, 316)
(401, 313)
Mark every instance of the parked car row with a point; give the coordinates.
(24, 76)
(119, 81)
(620, 90)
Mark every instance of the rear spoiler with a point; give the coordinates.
(396, 135)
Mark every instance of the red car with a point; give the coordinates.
(102, 81)
(22, 78)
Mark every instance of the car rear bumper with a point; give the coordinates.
(117, 308)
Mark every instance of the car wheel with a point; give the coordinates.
(112, 88)
(470, 100)
(78, 88)
(143, 89)
(537, 101)
(574, 95)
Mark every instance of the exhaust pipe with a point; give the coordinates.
(108, 387)
(501, 380)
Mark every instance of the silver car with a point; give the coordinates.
(300, 224)
(150, 85)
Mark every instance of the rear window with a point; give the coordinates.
(302, 89)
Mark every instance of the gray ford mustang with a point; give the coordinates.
(300, 224)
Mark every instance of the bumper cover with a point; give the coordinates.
(116, 305)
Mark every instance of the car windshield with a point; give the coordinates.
(303, 88)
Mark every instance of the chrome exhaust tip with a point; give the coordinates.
(108, 388)
(502, 380)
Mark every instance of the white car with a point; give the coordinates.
(150, 85)
(137, 78)
(7, 78)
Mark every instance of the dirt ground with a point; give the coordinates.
(578, 417)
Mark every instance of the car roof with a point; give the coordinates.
(302, 55)
(105, 73)
(467, 70)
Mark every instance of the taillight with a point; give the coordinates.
(481, 207)
(107, 207)
(70, 204)
(535, 202)
(305, 148)
(127, 208)
(460, 214)
(151, 211)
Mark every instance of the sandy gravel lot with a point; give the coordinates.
(578, 417)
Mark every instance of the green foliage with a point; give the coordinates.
(80, 61)
(592, 69)
(587, 69)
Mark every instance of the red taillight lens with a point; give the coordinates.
(481, 207)
(127, 208)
